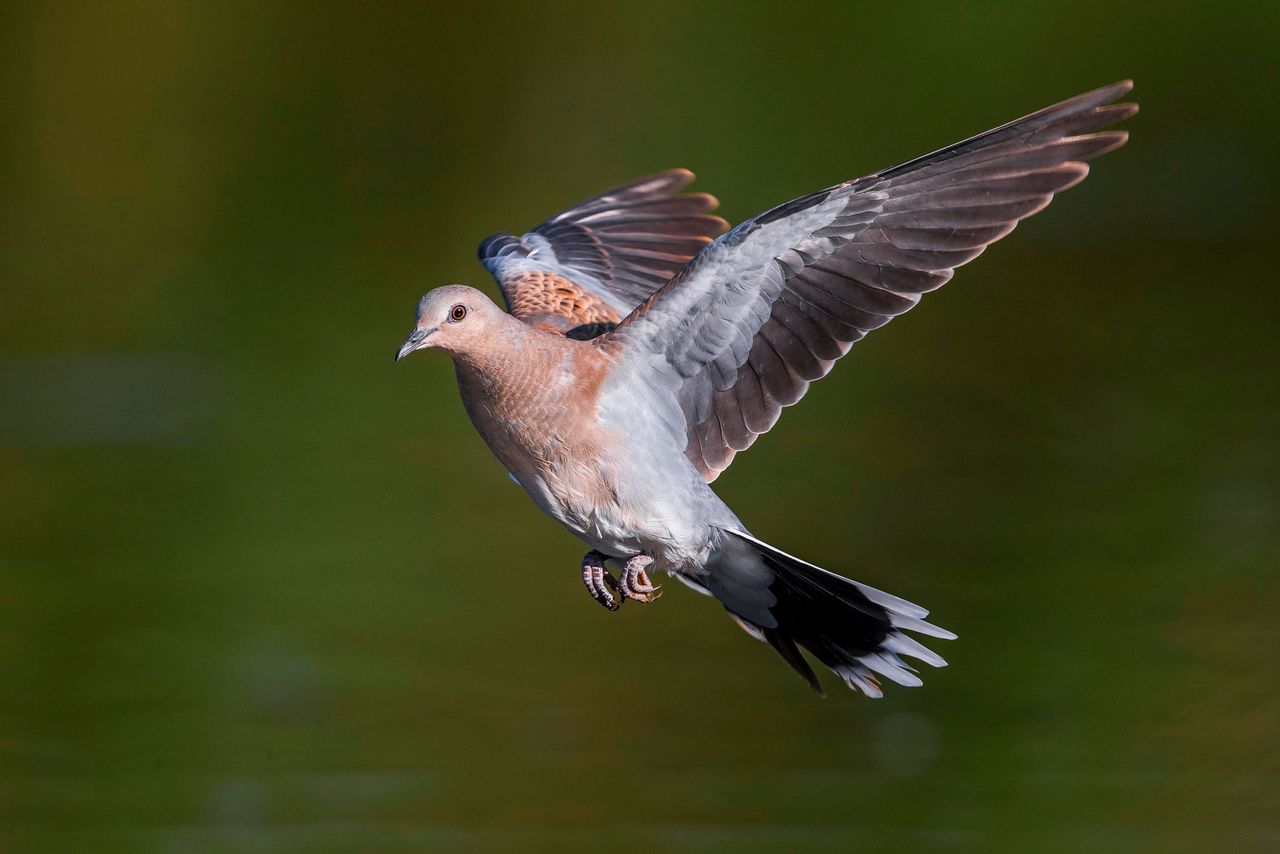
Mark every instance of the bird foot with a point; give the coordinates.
(635, 583)
(598, 580)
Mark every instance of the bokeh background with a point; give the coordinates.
(261, 590)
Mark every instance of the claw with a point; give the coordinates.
(598, 580)
(635, 583)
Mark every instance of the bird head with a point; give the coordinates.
(453, 318)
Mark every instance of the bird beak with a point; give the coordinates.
(416, 341)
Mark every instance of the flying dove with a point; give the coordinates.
(642, 352)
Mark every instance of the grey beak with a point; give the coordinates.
(414, 342)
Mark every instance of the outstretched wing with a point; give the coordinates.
(769, 307)
(592, 264)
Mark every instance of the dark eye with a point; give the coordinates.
(458, 312)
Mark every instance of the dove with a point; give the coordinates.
(644, 346)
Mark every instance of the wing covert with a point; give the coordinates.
(586, 268)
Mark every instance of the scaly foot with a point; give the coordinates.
(598, 580)
(635, 582)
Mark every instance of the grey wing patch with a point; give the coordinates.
(769, 307)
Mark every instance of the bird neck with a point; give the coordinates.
(512, 353)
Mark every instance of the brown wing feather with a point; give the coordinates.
(547, 298)
(589, 266)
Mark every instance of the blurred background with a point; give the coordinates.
(261, 590)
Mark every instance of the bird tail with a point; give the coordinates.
(856, 630)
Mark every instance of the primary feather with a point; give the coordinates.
(770, 306)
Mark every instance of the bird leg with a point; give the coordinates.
(598, 580)
(635, 582)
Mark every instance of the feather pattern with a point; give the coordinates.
(586, 268)
(766, 309)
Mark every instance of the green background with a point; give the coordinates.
(261, 590)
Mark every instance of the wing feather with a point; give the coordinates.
(805, 280)
(585, 268)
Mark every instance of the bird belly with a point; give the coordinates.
(620, 511)
(624, 508)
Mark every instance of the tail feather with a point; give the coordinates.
(786, 648)
(854, 629)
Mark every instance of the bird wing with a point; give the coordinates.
(770, 306)
(586, 268)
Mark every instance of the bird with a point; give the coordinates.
(645, 345)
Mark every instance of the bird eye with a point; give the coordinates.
(457, 312)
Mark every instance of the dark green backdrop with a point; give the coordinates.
(260, 590)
